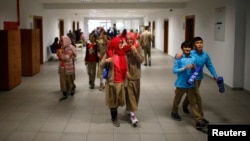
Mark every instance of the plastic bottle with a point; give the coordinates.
(194, 75)
(220, 83)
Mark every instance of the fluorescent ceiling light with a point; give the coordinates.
(145, 0)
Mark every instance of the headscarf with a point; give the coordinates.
(133, 36)
(113, 47)
(67, 43)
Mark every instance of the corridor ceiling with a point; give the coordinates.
(114, 8)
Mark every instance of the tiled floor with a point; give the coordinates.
(32, 112)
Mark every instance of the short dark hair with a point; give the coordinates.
(197, 39)
(186, 44)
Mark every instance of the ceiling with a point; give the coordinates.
(113, 8)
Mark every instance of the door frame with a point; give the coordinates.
(61, 27)
(166, 30)
(153, 34)
(189, 27)
(38, 24)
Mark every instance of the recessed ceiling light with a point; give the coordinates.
(86, 0)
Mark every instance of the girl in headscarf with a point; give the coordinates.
(115, 84)
(66, 56)
(134, 60)
(102, 48)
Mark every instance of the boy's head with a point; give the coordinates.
(186, 47)
(198, 43)
(186, 44)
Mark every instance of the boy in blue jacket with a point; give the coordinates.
(184, 68)
(202, 59)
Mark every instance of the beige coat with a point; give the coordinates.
(133, 80)
(114, 92)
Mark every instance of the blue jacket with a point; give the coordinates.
(202, 59)
(183, 75)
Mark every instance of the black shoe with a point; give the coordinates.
(176, 116)
(206, 121)
(72, 92)
(92, 86)
(201, 125)
(185, 110)
(145, 64)
(63, 98)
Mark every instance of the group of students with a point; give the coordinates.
(192, 57)
(122, 87)
(124, 56)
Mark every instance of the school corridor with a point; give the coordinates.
(32, 111)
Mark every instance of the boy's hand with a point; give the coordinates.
(133, 48)
(190, 66)
(178, 56)
(108, 60)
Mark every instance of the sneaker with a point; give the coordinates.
(92, 86)
(145, 64)
(116, 123)
(176, 116)
(101, 87)
(133, 118)
(201, 125)
(206, 121)
(185, 110)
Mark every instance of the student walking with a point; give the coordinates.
(202, 59)
(145, 40)
(102, 48)
(115, 84)
(184, 68)
(134, 60)
(66, 69)
(91, 59)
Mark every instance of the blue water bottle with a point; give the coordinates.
(194, 75)
(220, 83)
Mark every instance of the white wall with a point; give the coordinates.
(176, 32)
(227, 55)
(51, 24)
(247, 51)
(221, 52)
(224, 57)
(8, 10)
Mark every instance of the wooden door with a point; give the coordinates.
(189, 27)
(153, 34)
(61, 27)
(165, 36)
(38, 24)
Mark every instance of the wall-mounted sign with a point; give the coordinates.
(219, 27)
